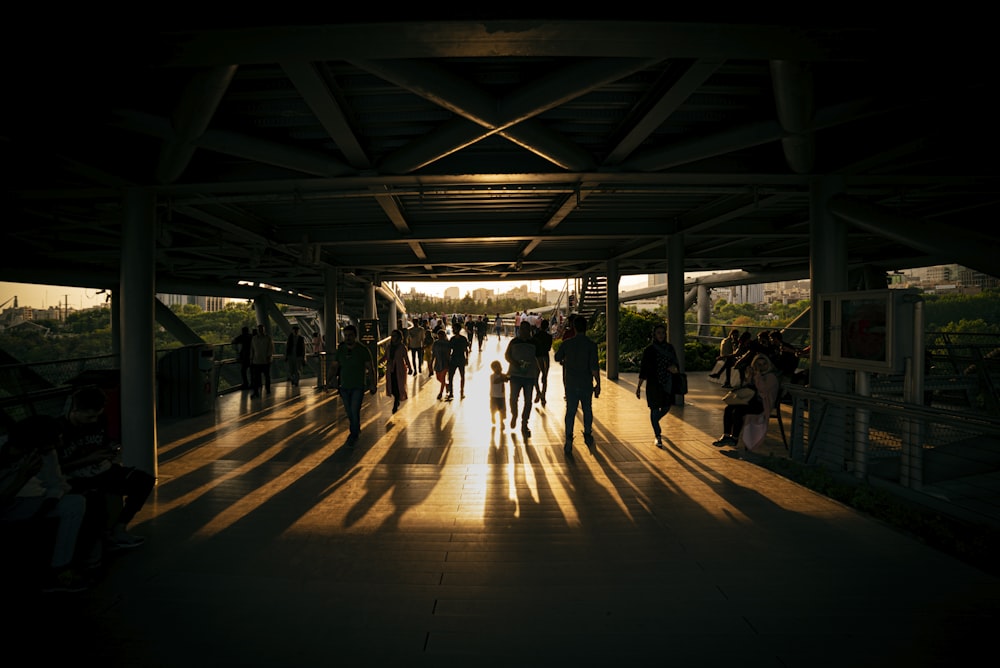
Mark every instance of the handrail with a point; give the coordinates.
(983, 421)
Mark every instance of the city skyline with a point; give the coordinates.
(50, 296)
(39, 296)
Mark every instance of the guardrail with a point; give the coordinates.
(875, 437)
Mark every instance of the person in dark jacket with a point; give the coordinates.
(543, 350)
(242, 344)
(659, 364)
(581, 379)
(522, 360)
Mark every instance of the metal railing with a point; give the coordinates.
(904, 443)
(43, 388)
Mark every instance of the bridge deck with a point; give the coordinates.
(441, 540)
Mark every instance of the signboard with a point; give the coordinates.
(368, 332)
(368, 336)
(869, 330)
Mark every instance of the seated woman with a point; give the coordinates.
(727, 355)
(763, 377)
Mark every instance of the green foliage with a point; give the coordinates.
(88, 333)
(420, 303)
(941, 310)
(635, 331)
(221, 326)
(88, 322)
(734, 313)
(699, 356)
(976, 326)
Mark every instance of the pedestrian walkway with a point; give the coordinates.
(442, 540)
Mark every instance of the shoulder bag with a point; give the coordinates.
(740, 396)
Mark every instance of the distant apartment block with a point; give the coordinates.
(207, 304)
(520, 292)
(482, 295)
(939, 279)
(16, 315)
(944, 279)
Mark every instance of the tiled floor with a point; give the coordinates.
(442, 540)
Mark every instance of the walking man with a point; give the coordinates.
(262, 346)
(353, 371)
(582, 378)
(543, 349)
(460, 346)
(481, 328)
(522, 356)
(242, 344)
(415, 342)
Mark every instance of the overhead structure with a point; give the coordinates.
(490, 150)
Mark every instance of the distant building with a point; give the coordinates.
(938, 279)
(482, 295)
(746, 294)
(520, 292)
(646, 304)
(451, 293)
(977, 279)
(944, 278)
(15, 316)
(207, 304)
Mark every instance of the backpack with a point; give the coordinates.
(521, 354)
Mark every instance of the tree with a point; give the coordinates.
(89, 321)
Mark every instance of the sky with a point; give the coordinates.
(45, 296)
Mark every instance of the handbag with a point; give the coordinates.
(754, 431)
(740, 396)
(679, 383)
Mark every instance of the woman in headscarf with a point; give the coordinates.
(659, 364)
(765, 381)
(397, 368)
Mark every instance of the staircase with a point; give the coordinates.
(593, 297)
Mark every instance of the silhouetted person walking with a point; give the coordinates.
(242, 343)
(582, 380)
